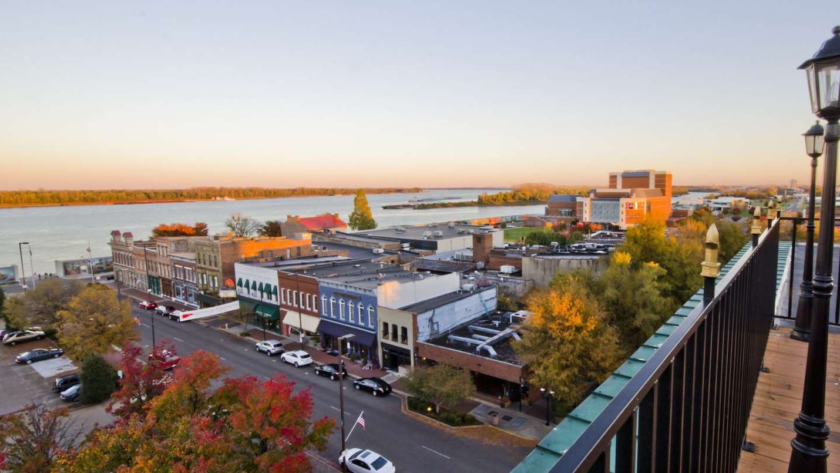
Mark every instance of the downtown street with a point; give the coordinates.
(411, 445)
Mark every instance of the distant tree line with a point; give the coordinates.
(115, 196)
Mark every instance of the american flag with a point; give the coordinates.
(361, 421)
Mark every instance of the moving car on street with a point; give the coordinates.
(365, 461)
(375, 386)
(23, 336)
(331, 371)
(175, 315)
(165, 360)
(71, 394)
(270, 347)
(298, 358)
(63, 383)
(164, 309)
(38, 354)
(148, 305)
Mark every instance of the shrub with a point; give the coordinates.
(98, 380)
(244, 334)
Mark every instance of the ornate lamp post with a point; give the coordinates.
(809, 450)
(755, 227)
(814, 143)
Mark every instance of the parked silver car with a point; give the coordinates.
(270, 347)
(22, 336)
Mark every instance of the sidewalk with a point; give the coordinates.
(511, 420)
(144, 296)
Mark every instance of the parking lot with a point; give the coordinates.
(21, 385)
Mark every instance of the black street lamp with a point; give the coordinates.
(22, 267)
(341, 396)
(809, 449)
(814, 143)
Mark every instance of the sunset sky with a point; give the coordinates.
(163, 94)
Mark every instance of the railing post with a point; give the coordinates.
(755, 228)
(809, 449)
(806, 288)
(710, 266)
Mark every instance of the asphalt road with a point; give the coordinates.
(409, 444)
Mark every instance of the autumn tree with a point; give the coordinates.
(140, 382)
(34, 437)
(441, 385)
(98, 380)
(567, 342)
(94, 321)
(180, 229)
(245, 425)
(271, 228)
(362, 217)
(634, 299)
(544, 238)
(242, 226)
(40, 306)
(3, 306)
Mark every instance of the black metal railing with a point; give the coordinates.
(790, 313)
(687, 408)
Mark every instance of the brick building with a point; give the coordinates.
(216, 257)
(296, 225)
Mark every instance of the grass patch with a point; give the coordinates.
(452, 418)
(514, 234)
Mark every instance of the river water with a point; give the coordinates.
(60, 233)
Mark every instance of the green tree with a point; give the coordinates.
(93, 321)
(732, 239)
(441, 385)
(34, 437)
(361, 218)
(635, 300)
(271, 228)
(39, 307)
(567, 342)
(98, 380)
(575, 237)
(2, 306)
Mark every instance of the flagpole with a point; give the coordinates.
(354, 426)
(90, 264)
(31, 266)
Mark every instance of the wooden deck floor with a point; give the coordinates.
(778, 399)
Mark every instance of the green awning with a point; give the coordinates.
(261, 287)
(274, 291)
(270, 312)
(254, 286)
(239, 283)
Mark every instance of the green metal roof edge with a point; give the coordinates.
(563, 436)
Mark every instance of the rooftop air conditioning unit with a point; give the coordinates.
(451, 224)
(378, 251)
(437, 233)
(427, 234)
(468, 287)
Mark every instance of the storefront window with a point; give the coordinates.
(394, 332)
(403, 335)
(385, 330)
(350, 308)
(341, 309)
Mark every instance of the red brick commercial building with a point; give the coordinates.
(296, 225)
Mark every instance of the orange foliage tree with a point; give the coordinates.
(180, 229)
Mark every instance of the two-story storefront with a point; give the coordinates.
(184, 285)
(258, 294)
(300, 303)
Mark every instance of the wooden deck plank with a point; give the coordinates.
(777, 401)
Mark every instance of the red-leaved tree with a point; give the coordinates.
(140, 382)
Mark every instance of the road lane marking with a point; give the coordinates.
(429, 449)
(222, 359)
(145, 325)
(176, 338)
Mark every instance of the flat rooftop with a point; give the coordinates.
(354, 252)
(496, 322)
(440, 301)
(290, 264)
(427, 232)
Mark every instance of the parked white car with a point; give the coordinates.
(13, 338)
(270, 347)
(298, 358)
(366, 461)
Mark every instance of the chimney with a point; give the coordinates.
(115, 236)
(482, 245)
(129, 238)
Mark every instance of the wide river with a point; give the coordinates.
(59, 233)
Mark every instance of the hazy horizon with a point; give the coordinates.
(155, 95)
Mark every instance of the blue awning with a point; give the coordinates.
(361, 337)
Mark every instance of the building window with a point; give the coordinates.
(341, 309)
(332, 307)
(370, 315)
(350, 310)
(308, 304)
(361, 313)
(385, 330)
(283, 295)
(394, 333)
(324, 304)
(314, 303)
(295, 298)
(404, 335)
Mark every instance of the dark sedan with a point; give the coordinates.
(39, 354)
(66, 382)
(331, 371)
(71, 394)
(375, 386)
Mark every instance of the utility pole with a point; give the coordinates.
(22, 267)
(90, 264)
(341, 396)
(31, 266)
